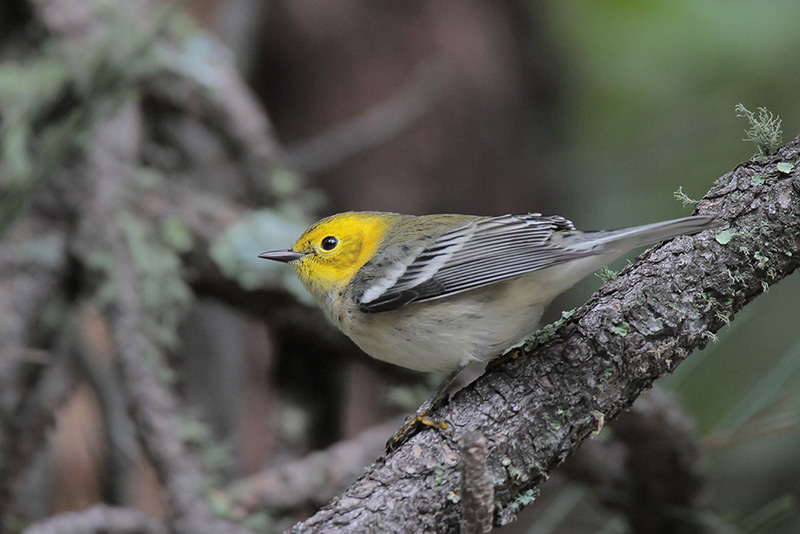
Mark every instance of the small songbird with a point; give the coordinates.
(438, 292)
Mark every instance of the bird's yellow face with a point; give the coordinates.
(335, 249)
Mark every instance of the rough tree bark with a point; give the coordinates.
(536, 410)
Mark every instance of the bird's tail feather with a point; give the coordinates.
(638, 236)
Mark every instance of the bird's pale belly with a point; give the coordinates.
(438, 335)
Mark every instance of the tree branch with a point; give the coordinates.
(651, 470)
(311, 480)
(665, 486)
(477, 492)
(99, 519)
(153, 406)
(536, 410)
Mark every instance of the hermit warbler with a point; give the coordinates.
(438, 292)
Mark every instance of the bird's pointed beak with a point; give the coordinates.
(282, 255)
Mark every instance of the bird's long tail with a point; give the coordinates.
(638, 236)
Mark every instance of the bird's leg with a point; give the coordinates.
(421, 419)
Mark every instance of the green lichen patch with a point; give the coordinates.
(621, 329)
(684, 198)
(724, 237)
(765, 129)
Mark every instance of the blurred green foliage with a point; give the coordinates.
(650, 89)
(261, 230)
(49, 103)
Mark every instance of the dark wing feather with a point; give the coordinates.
(480, 252)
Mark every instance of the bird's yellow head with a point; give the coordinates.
(332, 250)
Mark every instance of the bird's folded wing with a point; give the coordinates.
(480, 252)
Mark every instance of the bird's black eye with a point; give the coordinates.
(329, 243)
